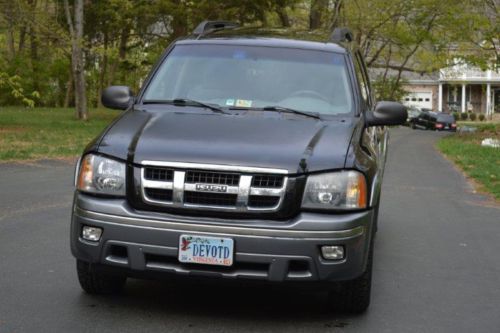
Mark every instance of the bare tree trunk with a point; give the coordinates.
(316, 13)
(22, 39)
(76, 32)
(34, 57)
(283, 15)
(33, 40)
(337, 14)
(9, 17)
(69, 89)
(122, 53)
(180, 20)
(104, 69)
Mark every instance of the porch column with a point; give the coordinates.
(440, 97)
(488, 99)
(463, 98)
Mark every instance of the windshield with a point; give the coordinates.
(254, 77)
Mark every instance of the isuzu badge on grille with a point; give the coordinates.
(211, 188)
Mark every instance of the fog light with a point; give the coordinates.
(332, 252)
(92, 234)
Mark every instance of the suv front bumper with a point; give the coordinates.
(147, 242)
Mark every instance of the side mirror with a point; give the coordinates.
(386, 114)
(117, 97)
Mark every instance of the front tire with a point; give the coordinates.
(95, 282)
(354, 296)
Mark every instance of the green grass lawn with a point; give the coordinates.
(480, 163)
(47, 132)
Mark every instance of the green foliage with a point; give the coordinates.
(124, 38)
(389, 89)
(47, 132)
(456, 115)
(480, 163)
(14, 84)
(464, 116)
(472, 116)
(482, 117)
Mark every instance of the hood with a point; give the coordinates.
(251, 138)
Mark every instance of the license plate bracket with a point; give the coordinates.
(206, 250)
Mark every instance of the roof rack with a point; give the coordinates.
(206, 27)
(340, 35)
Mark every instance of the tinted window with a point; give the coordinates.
(445, 118)
(249, 76)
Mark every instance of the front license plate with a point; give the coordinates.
(206, 250)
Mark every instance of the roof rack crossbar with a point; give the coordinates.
(210, 26)
(340, 35)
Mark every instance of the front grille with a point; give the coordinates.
(207, 177)
(159, 174)
(267, 181)
(262, 201)
(195, 186)
(210, 199)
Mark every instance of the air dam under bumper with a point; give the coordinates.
(147, 242)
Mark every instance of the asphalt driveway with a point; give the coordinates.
(437, 263)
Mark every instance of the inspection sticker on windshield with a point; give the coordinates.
(243, 103)
(230, 102)
(206, 250)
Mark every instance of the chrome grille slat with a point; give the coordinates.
(244, 191)
(157, 184)
(203, 186)
(178, 195)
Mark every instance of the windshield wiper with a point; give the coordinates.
(279, 109)
(185, 102)
(289, 110)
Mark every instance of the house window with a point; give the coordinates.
(413, 99)
(427, 100)
(454, 94)
(420, 100)
(407, 99)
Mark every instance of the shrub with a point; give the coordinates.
(473, 116)
(456, 115)
(481, 117)
(464, 116)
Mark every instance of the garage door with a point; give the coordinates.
(419, 99)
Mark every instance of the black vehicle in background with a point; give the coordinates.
(413, 113)
(438, 121)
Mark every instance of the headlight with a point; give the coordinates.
(337, 190)
(101, 175)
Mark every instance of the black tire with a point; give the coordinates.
(95, 282)
(354, 296)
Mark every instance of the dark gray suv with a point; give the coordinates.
(246, 155)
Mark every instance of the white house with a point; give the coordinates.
(459, 88)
